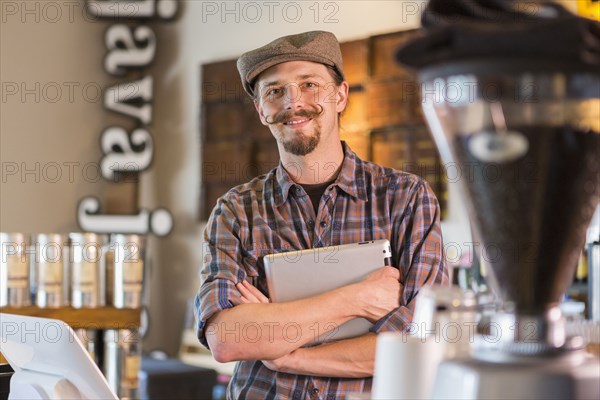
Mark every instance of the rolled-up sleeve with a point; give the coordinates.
(418, 249)
(220, 269)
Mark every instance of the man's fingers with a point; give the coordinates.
(392, 272)
(250, 293)
(241, 300)
(385, 272)
(246, 293)
(257, 293)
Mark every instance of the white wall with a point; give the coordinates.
(72, 51)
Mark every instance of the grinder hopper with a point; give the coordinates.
(515, 112)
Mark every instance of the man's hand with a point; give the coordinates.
(373, 298)
(250, 294)
(281, 364)
(379, 293)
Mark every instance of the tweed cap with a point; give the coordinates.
(318, 46)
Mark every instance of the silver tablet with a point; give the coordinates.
(304, 273)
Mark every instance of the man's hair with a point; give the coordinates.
(337, 77)
(337, 80)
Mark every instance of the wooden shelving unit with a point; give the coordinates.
(84, 318)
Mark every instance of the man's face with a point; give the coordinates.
(299, 101)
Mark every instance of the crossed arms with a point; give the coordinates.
(237, 322)
(279, 330)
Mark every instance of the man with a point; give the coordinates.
(321, 194)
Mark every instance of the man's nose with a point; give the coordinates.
(293, 97)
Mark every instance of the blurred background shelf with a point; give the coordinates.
(85, 318)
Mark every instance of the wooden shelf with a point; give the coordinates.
(85, 318)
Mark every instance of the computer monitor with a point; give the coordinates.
(50, 348)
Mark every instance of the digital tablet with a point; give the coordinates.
(304, 273)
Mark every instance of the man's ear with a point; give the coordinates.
(259, 110)
(342, 97)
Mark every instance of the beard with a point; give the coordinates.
(300, 144)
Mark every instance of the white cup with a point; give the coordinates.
(405, 366)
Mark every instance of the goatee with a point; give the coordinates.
(301, 144)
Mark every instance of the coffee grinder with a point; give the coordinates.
(511, 94)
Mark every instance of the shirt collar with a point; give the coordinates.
(351, 178)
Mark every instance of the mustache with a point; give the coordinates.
(285, 116)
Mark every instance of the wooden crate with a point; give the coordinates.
(226, 161)
(425, 157)
(383, 55)
(416, 111)
(358, 141)
(265, 157)
(354, 117)
(221, 83)
(411, 149)
(392, 103)
(223, 120)
(391, 148)
(355, 55)
(254, 127)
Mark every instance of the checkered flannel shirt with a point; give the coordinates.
(272, 214)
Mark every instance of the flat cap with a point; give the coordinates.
(317, 46)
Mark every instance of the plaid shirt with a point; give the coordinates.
(273, 214)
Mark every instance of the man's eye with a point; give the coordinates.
(310, 85)
(273, 92)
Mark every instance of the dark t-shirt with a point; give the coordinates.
(315, 192)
